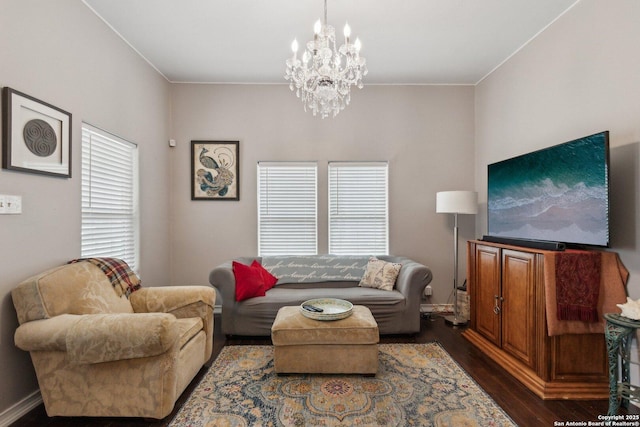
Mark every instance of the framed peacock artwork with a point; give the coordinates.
(215, 170)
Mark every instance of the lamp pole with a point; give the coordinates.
(455, 320)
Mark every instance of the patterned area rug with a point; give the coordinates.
(416, 385)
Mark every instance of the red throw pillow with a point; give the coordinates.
(268, 279)
(249, 282)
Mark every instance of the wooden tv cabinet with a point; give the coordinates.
(508, 323)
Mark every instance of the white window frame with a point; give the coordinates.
(110, 204)
(287, 208)
(358, 207)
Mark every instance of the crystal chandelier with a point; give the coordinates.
(324, 77)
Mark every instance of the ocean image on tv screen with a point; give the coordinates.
(556, 194)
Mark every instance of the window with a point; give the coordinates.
(358, 208)
(287, 206)
(109, 196)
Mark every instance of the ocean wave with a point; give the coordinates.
(570, 234)
(540, 197)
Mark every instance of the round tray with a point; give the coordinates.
(333, 309)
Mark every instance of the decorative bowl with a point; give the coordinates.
(332, 309)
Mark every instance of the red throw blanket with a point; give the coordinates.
(122, 278)
(578, 285)
(613, 279)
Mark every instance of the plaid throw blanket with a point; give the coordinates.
(122, 278)
(578, 285)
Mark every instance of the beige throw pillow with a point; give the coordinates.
(380, 274)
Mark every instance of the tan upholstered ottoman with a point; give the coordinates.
(346, 346)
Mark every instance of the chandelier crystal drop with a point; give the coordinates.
(325, 74)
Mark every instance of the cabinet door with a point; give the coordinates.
(486, 280)
(518, 305)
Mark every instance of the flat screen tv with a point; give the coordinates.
(557, 194)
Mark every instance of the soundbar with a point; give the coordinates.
(534, 244)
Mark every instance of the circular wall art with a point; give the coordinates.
(40, 138)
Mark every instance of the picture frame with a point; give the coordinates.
(36, 135)
(215, 170)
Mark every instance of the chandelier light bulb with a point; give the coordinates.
(347, 32)
(317, 27)
(358, 45)
(294, 46)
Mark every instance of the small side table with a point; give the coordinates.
(618, 332)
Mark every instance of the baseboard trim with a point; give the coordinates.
(436, 308)
(20, 409)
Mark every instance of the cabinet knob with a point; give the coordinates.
(496, 306)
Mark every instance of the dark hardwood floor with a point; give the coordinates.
(526, 409)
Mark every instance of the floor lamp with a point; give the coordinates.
(456, 202)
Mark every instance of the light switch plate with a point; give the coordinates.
(10, 205)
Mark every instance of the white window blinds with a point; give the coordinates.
(287, 206)
(358, 208)
(109, 196)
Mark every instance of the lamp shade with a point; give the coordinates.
(461, 202)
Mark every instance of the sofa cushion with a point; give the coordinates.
(264, 308)
(249, 282)
(380, 274)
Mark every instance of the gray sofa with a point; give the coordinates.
(396, 311)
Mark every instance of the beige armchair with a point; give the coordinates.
(96, 353)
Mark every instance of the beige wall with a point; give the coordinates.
(425, 132)
(579, 77)
(60, 52)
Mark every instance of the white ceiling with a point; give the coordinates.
(404, 41)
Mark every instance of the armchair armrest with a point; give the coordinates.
(45, 334)
(96, 338)
(181, 301)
